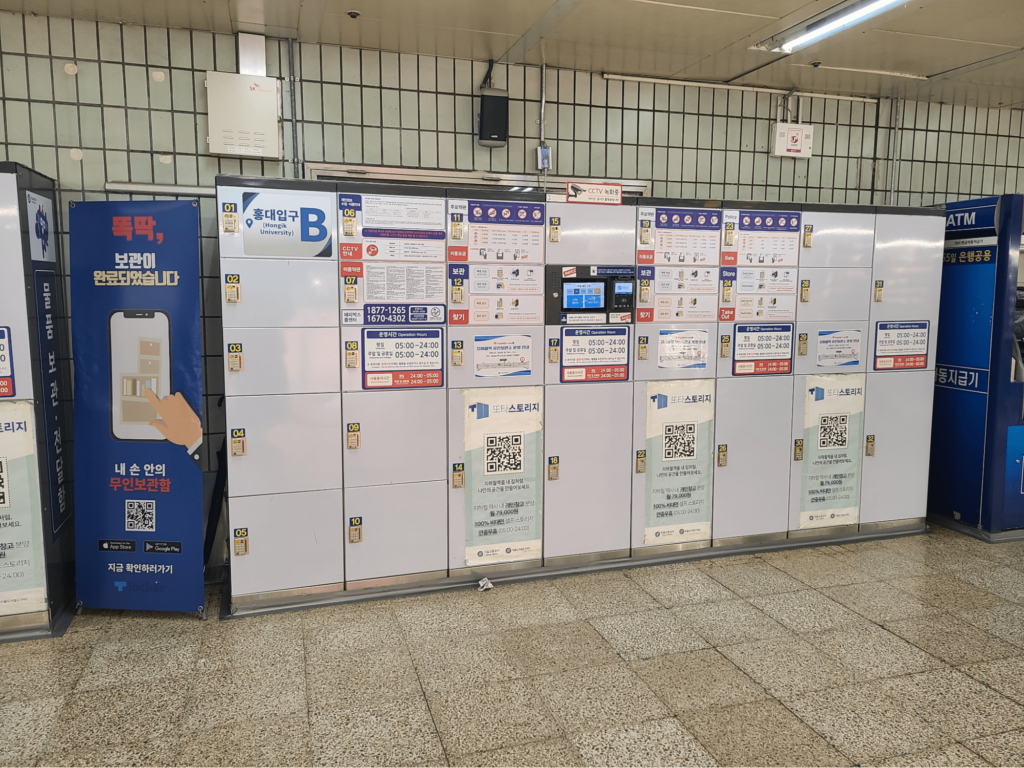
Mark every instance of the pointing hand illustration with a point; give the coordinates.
(178, 422)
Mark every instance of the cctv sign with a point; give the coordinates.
(601, 194)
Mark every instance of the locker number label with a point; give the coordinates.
(552, 467)
(353, 439)
(238, 442)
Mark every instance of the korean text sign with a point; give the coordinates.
(138, 404)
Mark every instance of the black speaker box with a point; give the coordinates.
(493, 117)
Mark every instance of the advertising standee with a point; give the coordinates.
(138, 392)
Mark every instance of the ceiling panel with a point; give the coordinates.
(504, 18)
(210, 15)
(642, 38)
(411, 38)
(983, 21)
(895, 52)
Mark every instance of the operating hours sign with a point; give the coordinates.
(763, 349)
(398, 359)
(595, 354)
(899, 346)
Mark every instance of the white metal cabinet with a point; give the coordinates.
(831, 347)
(404, 531)
(834, 294)
(402, 437)
(898, 413)
(837, 239)
(495, 357)
(675, 351)
(592, 234)
(293, 443)
(277, 361)
(589, 429)
(280, 293)
(293, 541)
(753, 418)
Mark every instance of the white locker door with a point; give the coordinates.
(484, 363)
(293, 443)
(832, 347)
(838, 239)
(293, 541)
(898, 412)
(592, 234)
(403, 437)
(675, 351)
(589, 428)
(405, 530)
(639, 491)
(753, 418)
(908, 262)
(280, 294)
(279, 361)
(834, 294)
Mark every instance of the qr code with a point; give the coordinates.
(503, 453)
(833, 430)
(140, 515)
(680, 441)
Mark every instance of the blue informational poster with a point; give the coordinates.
(138, 404)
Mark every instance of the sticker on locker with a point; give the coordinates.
(838, 348)
(769, 238)
(499, 356)
(498, 232)
(763, 349)
(402, 358)
(678, 236)
(683, 349)
(392, 228)
(595, 354)
(901, 346)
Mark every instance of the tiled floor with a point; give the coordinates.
(900, 652)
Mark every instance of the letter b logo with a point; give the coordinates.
(312, 223)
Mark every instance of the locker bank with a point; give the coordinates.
(460, 383)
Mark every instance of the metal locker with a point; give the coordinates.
(906, 279)
(843, 476)
(404, 531)
(753, 421)
(280, 361)
(588, 448)
(643, 469)
(495, 357)
(897, 426)
(833, 294)
(831, 347)
(460, 478)
(836, 239)
(401, 437)
(272, 293)
(290, 443)
(675, 351)
(290, 541)
(591, 234)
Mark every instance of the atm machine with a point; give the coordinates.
(976, 482)
(836, 249)
(495, 368)
(392, 245)
(755, 346)
(906, 281)
(677, 254)
(37, 528)
(589, 309)
(279, 300)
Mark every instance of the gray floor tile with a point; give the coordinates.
(599, 698)
(647, 634)
(788, 666)
(678, 584)
(1004, 675)
(490, 717)
(751, 577)
(762, 733)
(951, 756)
(555, 753)
(952, 639)
(444, 664)
(269, 743)
(806, 611)
(878, 601)
(727, 622)
(872, 651)
(605, 594)
(559, 647)
(698, 681)
(654, 743)
(1000, 749)
(513, 606)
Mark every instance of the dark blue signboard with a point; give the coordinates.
(138, 404)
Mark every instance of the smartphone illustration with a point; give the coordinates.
(140, 358)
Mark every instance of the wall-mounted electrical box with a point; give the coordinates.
(793, 140)
(245, 115)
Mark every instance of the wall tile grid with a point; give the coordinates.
(137, 111)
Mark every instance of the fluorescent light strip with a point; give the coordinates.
(866, 71)
(838, 24)
(708, 10)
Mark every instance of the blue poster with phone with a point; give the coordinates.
(138, 405)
